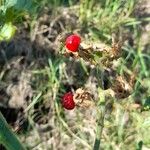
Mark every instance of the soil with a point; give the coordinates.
(30, 49)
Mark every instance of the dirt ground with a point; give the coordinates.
(28, 51)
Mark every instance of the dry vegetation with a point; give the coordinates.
(34, 74)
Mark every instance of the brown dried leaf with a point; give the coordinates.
(121, 87)
(83, 98)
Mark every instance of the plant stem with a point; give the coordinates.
(100, 112)
(7, 138)
(100, 125)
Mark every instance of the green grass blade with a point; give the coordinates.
(7, 137)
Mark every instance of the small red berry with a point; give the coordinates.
(67, 101)
(72, 43)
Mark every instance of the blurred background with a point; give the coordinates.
(34, 74)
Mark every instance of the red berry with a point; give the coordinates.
(72, 43)
(67, 101)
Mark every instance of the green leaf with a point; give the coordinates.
(146, 105)
(10, 3)
(7, 31)
(7, 4)
(23, 5)
(7, 137)
(139, 145)
(17, 4)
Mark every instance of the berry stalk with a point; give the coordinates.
(101, 109)
(100, 126)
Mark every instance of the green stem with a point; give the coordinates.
(7, 138)
(100, 125)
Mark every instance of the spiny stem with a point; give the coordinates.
(7, 138)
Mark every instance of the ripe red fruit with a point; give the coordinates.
(67, 101)
(73, 42)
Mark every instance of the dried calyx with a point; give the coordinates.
(81, 98)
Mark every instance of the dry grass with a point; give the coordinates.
(34, 75)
